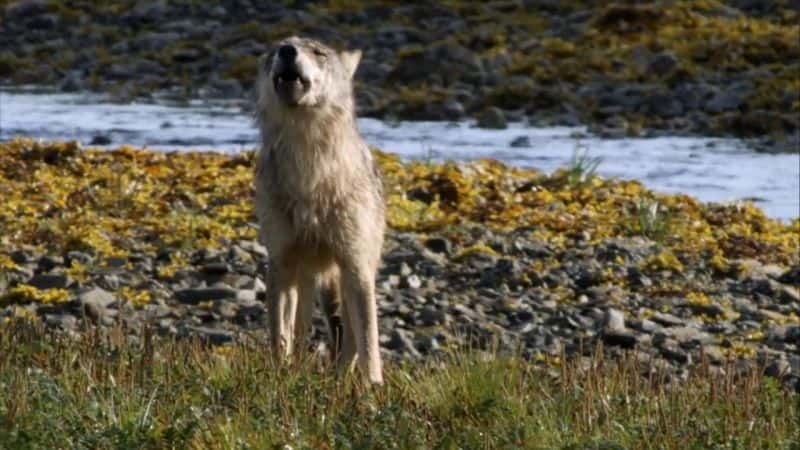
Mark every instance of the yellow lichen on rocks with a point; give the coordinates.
(24, 293)
(62, 197)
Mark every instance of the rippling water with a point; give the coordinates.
(718, 170)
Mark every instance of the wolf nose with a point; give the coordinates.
(287, 52)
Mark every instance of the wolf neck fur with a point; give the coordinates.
(309, 150)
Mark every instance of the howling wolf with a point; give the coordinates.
(319, 202)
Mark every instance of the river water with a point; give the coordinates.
(711, 169)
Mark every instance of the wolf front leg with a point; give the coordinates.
(361, 309)
(281, 307)
(310, 287)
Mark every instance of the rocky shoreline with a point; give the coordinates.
(723, 68)
(92, 239)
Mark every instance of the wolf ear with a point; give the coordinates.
(350, 60)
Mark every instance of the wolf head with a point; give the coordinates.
(302, 73)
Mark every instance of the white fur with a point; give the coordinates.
(320, 206)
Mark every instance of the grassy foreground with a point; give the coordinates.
(101, 392)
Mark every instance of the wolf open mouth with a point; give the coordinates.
(289, 77)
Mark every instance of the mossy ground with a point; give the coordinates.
(59, 197)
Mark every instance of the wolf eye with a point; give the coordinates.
(321, 53)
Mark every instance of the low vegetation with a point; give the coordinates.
(99, 391)
(93, 386)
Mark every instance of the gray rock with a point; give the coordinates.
(196, 295)
(147, 67)
(401, 341)
(778, 369)
(120, 47)
(100, 139)
(664, 105)
(186, 55)
(215, 268)
(246, 296)
(392, 281)
(110, 282)
(81, 257)
(227, 88)
(50, 281)
(116, 261)
(255, 248)
(614, 320)
(48, 262)
(676, 354)
(637, 278)
(411, 281)
(397, 36)
(667, 320)
(405, 269)
(713, 353)
(430, 316)
(72, 83)
(43, 22)
(622, 338)
(227, 310)
(218, 11)
(792, 334)
(156, 40)
(694, 96)
(427, 344)
(146, 11)
(711, 310)
(789, 294)
(211, 335)
(439, 245)
(96, 302)
(449, 61)
(493, 118)
(22, 256)
(623, 98)
(66, 322)
(688, 336)
(521, 142)
(662, 64)
(453, 109)
(723, 101)
(26, 8)
(646, 326)
(791, 276)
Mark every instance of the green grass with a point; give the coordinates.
(98, 392)
(582, 167)
(653, 220)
